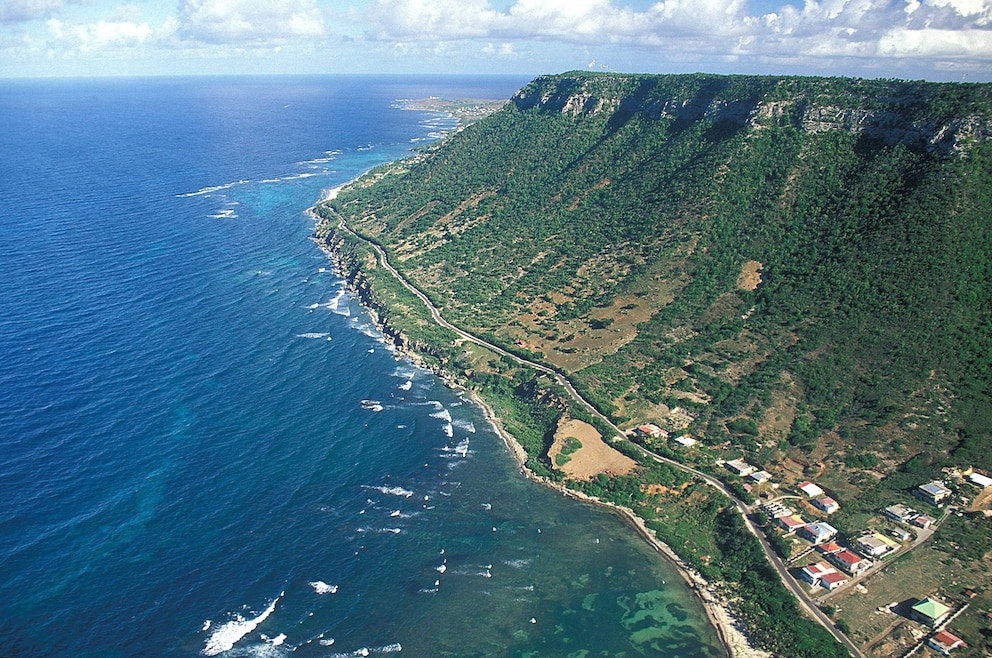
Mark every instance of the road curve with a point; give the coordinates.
(794, 586)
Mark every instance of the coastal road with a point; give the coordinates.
(795, 587)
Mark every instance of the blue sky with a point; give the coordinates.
(929, 39)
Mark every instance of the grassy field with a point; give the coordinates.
(924, 571)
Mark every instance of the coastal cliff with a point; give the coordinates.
(795, 271)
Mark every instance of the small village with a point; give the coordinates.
(833, 564)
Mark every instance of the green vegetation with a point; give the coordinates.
(802, 265)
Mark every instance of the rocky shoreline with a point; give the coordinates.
(730, 631)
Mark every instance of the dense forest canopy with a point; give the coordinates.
(799, 259)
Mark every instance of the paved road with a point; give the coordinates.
(795, 587)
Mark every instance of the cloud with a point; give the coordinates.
(18, 11)
(89, 37)
(706, 28)
(248, 22)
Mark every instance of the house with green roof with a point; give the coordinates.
(930, 612)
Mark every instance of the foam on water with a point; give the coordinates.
(213, 188)
(228, 634)
(466, 425)
(392, 491)
(321, 587)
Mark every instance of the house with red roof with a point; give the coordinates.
(945, 642)
(850, 561)
(833, 580)
(826, 504)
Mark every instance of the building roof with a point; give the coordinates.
(819, 569)
(935, 489)
(792, 522)
(740, 467)
(821, 529)
(885, 540)
(810, 489)
(931, 608)
(981, 480)
(652, 429)
(827, 504)
(900, 512)
(848, 558)
(872, 544)
(761, 476)
(829, 548)
(833, 578)
(685, 440)
(947, 640)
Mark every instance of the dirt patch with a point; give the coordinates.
(750, 276)
(776, 423)
(592, 458)
(982, 502)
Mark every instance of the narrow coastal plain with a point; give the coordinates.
(701, 299)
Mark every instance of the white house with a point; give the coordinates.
(932, 492)
(740, 467)
(810, 489)
(812, 573)
(833, 580)
(818, 532)
(761, 476)
(826, 504)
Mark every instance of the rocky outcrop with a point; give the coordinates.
(937, 117)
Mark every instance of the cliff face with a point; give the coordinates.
(944, 118)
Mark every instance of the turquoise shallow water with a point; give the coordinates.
(207, 449)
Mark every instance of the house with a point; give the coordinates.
(761, 476)
(930, 612)
(818, 532)
(945, 642)
(810, 489)
(829, 548)
(650, 429)
(791, 523)
(900, 513)
(874, 545)
(899, 533)
(849, 561)
(685, 441)
(812, 573)
(826, 504)
(923, 521)
(740, 467)
(981, 480)
(932, 492)
(833, 580)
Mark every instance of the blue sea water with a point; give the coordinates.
(205, 447)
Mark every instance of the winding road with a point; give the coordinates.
(794, 586)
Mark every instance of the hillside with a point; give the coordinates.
(802, 267)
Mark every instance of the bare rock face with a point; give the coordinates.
(919, 115)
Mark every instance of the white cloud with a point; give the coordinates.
(100, 35)
(678, 29)
(249, 22)
(16, 11)
(846, 37)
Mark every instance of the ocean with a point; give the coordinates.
(208, 450)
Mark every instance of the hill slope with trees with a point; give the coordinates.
(801, 266)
